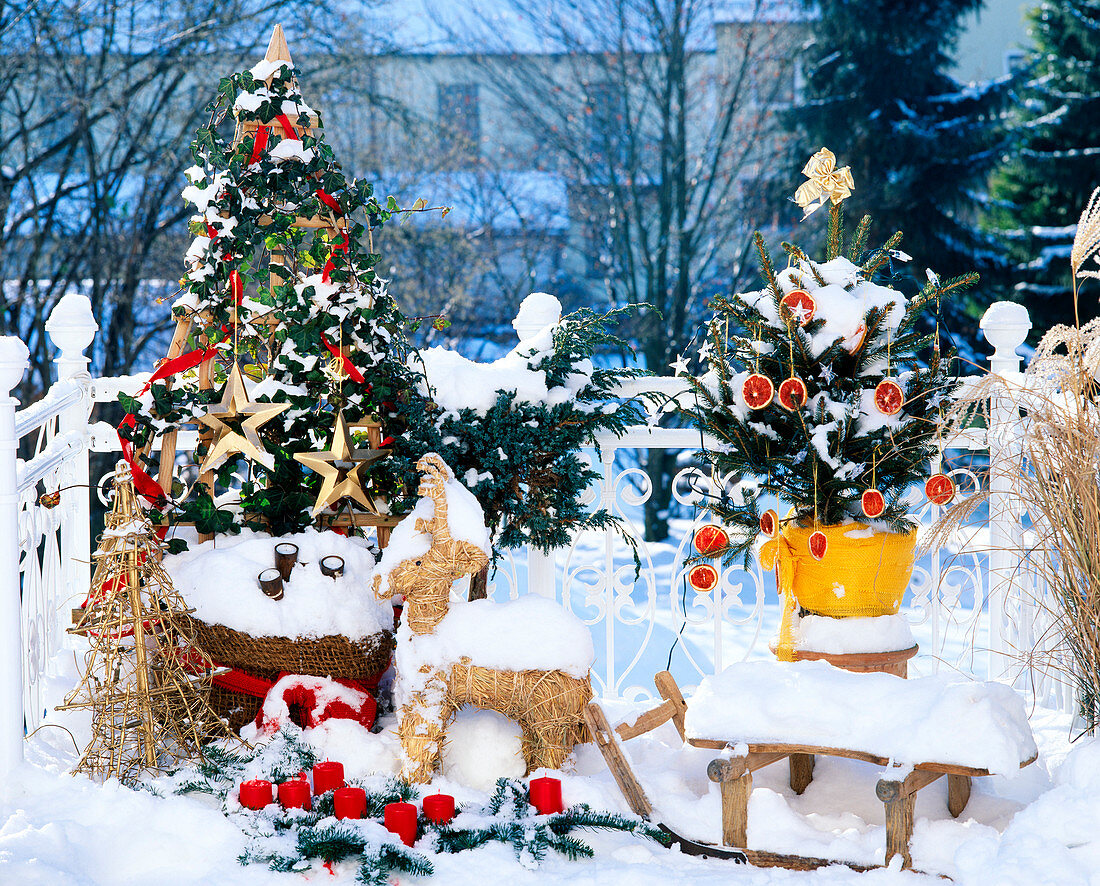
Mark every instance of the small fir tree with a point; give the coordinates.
(819, 386)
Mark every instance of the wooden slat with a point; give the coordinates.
(735, 782)
(802, 771)
(670, 692)
(770, 747)
(759, 761)
(647, 722)
(958, 794)
(604, 738)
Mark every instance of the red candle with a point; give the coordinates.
(294, 794)
(256, 794)
(327, 776)
(545, 795)
(349, 802)
(400, 819)
(440, 808)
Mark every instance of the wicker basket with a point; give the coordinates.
(268, 657)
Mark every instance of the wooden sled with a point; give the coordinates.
(735, 777)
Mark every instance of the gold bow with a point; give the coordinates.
(826, 182)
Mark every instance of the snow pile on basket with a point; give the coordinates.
(974, 724)
(322, 626)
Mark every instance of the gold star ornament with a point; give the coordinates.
(826, 182)
(341, 466)
(236, 409)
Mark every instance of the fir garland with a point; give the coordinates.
(293, 840)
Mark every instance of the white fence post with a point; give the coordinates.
(14, 359)
(71, 328)
(1006, 326)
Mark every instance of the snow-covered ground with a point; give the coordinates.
(1038, 826)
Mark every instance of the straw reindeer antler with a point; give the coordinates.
(434, 475)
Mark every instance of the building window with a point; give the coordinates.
(605, 130)
(459, 120)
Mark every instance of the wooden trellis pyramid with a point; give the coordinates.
(145, 683)
(277, 50)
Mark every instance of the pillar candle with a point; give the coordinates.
(400, 819)
(327, 776)
(256, 794)
(294, 794)
(349, 802)
(545, 795)
(440, 808)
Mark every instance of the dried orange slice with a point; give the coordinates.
(769, 523)
(873, 503)
(710, 540)
(801, 305)
(768, 555)
(889, 397)
(939, 489)
(758, 391)
(792, 394)
(703, 578)
(818, 544)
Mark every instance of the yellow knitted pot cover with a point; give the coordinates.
(864, 575)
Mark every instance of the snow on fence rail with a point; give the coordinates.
(971, 608)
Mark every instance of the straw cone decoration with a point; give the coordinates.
(547, 705)
(144, 681)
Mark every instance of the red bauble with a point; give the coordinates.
(889, 397)
(703, 578)
(769, 523)
(758, 391)
(939, 488)
(792, 394)
(873, 503)
(801, 305)
(710, 539)
(818, 544)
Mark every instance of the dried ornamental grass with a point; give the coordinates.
(1051, 467)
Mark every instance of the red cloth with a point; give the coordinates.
(318, 699)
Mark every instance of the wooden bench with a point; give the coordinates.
(733, 771)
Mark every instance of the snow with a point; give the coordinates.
(481, 747)
(13, 351)
(218, 578)
(843, 636)
(529, 633)
(459, 383)
(927, 719)
(265, 68)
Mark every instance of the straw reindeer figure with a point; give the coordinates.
(547, 704)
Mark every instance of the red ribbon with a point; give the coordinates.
(329, 201)
(210, 232)
(349, 367)
(237, 286)
(258, 144)
(147, 487)
(288, 127)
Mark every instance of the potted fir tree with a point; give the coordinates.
(823, 388)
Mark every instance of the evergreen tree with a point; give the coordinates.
(877, 92)
(821, 388)
(1055, 164)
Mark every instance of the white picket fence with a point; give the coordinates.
(971, 609)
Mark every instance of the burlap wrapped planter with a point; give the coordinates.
(268, 657)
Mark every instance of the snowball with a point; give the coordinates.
(482, 746)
